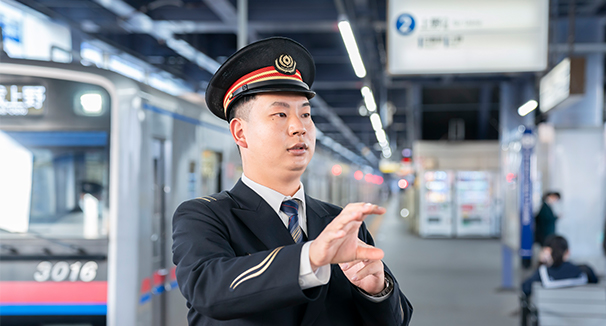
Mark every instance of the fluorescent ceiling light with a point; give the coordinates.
(352, 48)
(375, 120)
(126, 68)
(381, 137)
(387, 152)
(527, 107)
(369, 99)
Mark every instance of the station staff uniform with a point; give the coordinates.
(237, 263)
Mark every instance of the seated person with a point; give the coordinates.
(556, 271)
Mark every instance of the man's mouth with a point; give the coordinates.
(298, 147)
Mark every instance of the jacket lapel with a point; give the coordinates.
(317, 218)
(259, 217)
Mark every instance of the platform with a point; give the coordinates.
(448, 281)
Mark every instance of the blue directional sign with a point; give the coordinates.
(526, 216)
(405, 24)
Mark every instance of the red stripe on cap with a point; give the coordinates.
(263, 73)
(20, 292)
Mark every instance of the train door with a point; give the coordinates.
(211, 172)
(159, 233)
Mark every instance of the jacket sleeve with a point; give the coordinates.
(221, 285)
(395, 310)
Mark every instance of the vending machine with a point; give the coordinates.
(474, 211)
(436, 204)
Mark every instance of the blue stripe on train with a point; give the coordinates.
(184, 118)
(51, 309)
(59, 138)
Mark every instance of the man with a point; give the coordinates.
(265, 253)
(546, 218)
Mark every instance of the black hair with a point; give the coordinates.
(559, 247)
(238, 105)
(551, 193)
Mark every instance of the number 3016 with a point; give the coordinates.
(61, 271)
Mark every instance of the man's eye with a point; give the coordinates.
(282, 115)
(306, 115)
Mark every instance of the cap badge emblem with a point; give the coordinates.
(285, 64)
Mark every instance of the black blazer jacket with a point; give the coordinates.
(238, 265)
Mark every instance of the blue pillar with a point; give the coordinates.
(506, 267)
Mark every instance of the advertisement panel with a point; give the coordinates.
(467, 36)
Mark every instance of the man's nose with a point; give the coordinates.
(296, 126)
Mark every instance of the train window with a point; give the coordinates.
(57, 182)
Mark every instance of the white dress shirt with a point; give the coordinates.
(307, 277)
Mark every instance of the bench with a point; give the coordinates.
(583, 305)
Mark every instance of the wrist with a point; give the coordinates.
(387, 288)
(314, 265)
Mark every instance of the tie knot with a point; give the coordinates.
(289, 207)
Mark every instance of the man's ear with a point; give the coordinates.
(236, 127)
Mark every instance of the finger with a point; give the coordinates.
(364, 209)
(347, 266)
(345, 218)
(352, 227)
(360, 207)
(369, 253)
(374, 268)
(369, 209)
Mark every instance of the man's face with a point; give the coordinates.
(279, 133)
(552, 199)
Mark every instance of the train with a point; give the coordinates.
(92, 166)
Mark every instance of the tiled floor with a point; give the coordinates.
(448, 281)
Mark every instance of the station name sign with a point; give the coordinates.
(22, 100)
(466, 36)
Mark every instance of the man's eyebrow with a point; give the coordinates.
(286, 105)
(278, 103)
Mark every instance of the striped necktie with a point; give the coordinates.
(291, 208)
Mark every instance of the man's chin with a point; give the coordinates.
(299, 167)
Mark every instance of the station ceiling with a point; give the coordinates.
(210, 26)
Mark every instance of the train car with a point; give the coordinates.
(93, 165)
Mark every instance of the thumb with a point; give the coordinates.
(370, 253)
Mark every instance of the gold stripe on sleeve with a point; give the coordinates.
(263, 267)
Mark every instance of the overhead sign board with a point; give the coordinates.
(563, 85)
(466, 36)
(28, 34)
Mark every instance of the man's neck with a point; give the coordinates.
(287, 186)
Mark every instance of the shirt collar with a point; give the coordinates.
(272, 197)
